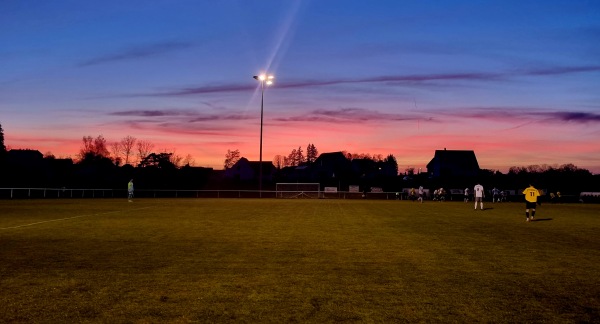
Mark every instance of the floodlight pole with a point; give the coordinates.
(268, 80)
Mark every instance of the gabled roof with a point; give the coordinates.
(331, 157)
(464, 158)
(255, 165)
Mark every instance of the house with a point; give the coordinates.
(245, 170)
(25, 158)
(369, 169)
(453, 163)
(300, 173)
(331, 165)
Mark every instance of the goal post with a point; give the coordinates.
(298, 190)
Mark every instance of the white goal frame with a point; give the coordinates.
(298, 190)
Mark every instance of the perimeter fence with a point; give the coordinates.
(67, 193)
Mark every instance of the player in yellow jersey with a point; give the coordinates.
(531, 197)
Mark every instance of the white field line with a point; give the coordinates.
(68, 218)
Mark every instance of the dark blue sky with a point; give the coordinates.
(516, 81)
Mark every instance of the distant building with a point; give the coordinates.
(25, 158)
(300, 173)
(245, 170)
(453, 163)
(365, 168)
(331, 165)
(369, 169)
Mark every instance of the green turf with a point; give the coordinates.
(252, 260)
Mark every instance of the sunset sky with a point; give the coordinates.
(518, 82)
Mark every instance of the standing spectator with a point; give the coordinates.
(421, 193)
(466, 194)
(531, 196)
(130, 191)
(479, 194)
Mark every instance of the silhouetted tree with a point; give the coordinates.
(49, 156)
(115, 149)
(311, 153)
(392, 163)
(144, 148)
(279, 161)
(176, 159)
(93, 149)
(360, 156)
(188, 161)
(231, 158)
(296, 157)
(126, 146)
(158, 160)
(2, 146)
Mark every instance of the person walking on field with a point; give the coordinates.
(478, 191)
(531, 196)
(130, 191)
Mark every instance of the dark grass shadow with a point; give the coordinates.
(541, 219)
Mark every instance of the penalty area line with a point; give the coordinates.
(68, 218)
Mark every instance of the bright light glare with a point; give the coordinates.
(267, 79)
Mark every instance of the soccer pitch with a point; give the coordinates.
(278, 260)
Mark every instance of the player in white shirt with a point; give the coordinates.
(478, 192)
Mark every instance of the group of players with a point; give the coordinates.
(530, 193)
(531, 196)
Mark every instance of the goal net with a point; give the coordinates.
(297, 190)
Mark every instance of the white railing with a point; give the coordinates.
(54, 193)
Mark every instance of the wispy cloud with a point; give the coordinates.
(577, 117)
(188, 116)
(350, 115)
(410, 79)
(137, 52)
(524, 114)
(559, 70)
(182, 128)
(153, 113)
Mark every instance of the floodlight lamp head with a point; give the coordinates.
(264, 78)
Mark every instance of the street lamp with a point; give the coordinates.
(264, 79)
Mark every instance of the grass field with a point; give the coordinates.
(274, 261)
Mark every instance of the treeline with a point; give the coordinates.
(101, 164)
